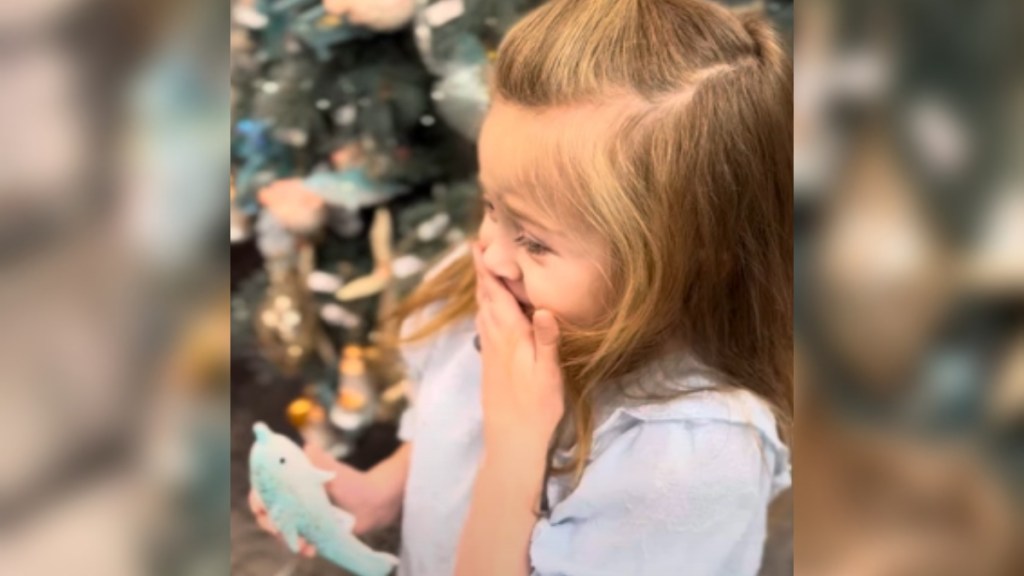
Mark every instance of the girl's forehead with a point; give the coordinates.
(513, 126)
(531, 153)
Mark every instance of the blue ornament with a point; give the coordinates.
(264, 159)
(351, 189)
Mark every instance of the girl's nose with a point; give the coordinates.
(499, 258)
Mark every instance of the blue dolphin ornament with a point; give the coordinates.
(352, 189)
(292, 489)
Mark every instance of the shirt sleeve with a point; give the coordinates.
(666, 497)
(416, 356)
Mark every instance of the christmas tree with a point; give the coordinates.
(354, 167)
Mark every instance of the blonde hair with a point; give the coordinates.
(691, 188)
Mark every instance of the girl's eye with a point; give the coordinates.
(531, 246)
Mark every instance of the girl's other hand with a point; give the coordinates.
(369, 496)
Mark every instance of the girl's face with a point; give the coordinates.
(541, 262)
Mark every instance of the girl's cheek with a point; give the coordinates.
(534, 285)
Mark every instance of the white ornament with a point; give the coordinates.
(443, 12)
(323, 282)
(406, 266)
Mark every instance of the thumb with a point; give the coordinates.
(317, 455)
(545, 337)
(336, 7)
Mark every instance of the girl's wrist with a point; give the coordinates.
(524, 456)
(370, 499)
(517, 480)
(517, 439)
(384, 487)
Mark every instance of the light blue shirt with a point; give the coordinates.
(675, 489)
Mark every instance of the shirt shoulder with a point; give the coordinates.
(679, 483)
(704, 420)
(697, 399)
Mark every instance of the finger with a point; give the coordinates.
(505, 310)
(264, 522)
(488, 285)
(306, 549)
(259, 512)
(485, 328)
(317, 455)
(336, 7)
(482, 276)
(478, 321)
(474, 252)
(480, 301)
(545, 339)
(256, 503)
(498, 308)
(504, 318)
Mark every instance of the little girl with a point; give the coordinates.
(601, 376)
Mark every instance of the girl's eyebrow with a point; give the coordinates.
(499, 194)
(521, 217)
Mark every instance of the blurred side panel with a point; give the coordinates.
(909, 161)
(114, 287)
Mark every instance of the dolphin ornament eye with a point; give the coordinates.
(282, 460)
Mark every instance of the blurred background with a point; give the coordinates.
(346, 140)
(114, 337)
(909, 165)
